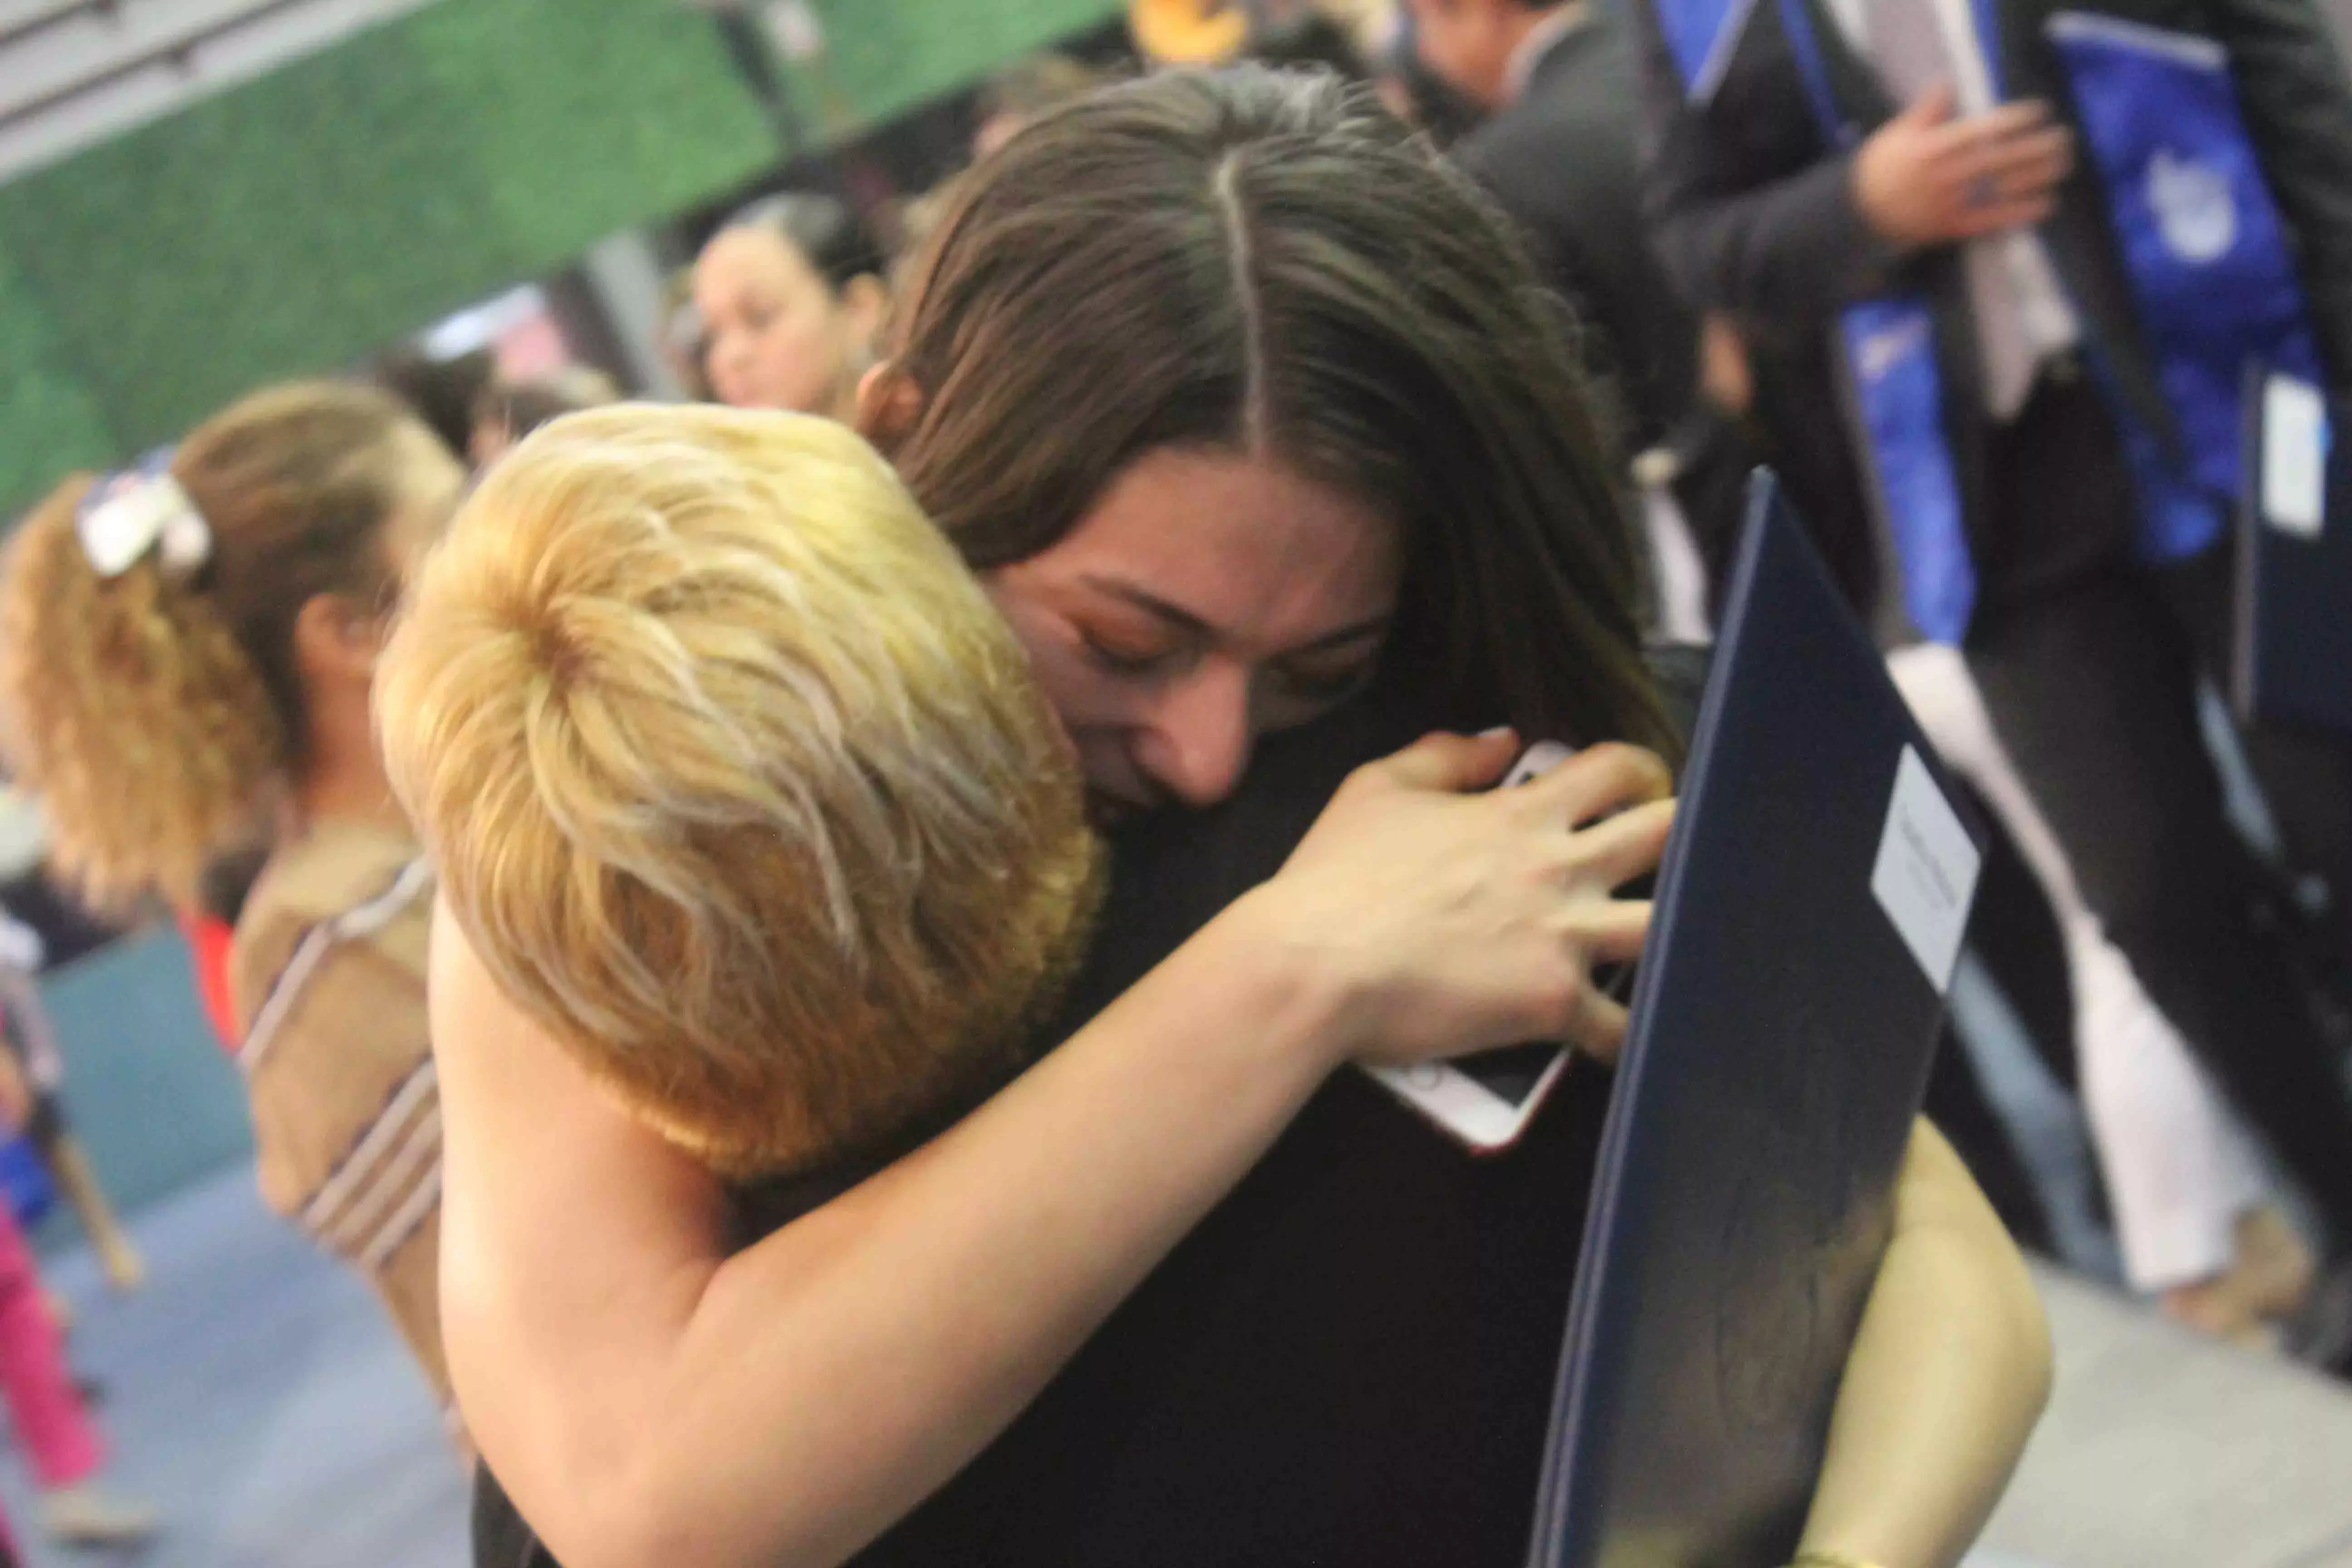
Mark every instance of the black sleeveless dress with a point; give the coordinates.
(1350, 1362)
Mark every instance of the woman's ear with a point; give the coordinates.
(336, 640)
(888, 404)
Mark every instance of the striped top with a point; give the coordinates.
(328, 972)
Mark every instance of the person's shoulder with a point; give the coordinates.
(1579, 103)
(1513, 143)
(335, 887)
(335, 868)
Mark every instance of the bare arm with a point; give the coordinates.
(1032, 1219)
(1946, 1378)
(647, 1399)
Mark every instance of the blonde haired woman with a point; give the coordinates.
(737, 782)
(185, 656)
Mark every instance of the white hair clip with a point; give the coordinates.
(140, 511)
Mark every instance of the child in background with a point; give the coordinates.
(45, 1408)
(25, 1029)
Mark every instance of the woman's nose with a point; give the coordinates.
(1198, 743)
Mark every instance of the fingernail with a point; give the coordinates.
(1498, 731)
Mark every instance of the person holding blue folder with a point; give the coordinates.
(2043, 239)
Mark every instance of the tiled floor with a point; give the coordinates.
(2161, 1451)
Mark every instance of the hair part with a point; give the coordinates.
(737, 782)
(162, 719)
(1257, 261)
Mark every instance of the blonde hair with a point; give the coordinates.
(160, 715)
(736, 780)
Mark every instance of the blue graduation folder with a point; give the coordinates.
(1808, 920)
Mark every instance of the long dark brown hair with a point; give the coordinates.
(1267, 261)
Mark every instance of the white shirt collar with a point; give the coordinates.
(1541, 39)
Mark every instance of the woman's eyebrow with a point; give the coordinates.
(1365, 630)
(1152, 604)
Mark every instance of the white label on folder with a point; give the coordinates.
(1926, 878)
(2295, 456)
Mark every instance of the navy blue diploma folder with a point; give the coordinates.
(2294, 659)
(1808, 920)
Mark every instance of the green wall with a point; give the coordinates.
(885, 57)
(303, 220)
(49, 420)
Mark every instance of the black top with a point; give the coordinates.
(1349, 1361)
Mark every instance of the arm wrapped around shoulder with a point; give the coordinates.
(737, 782)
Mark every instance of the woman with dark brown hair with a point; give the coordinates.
(1267, 443)
(790, 294)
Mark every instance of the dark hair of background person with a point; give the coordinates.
(1309, 42)
(1269, 261)
(823, 228)
(522, 407)
(441, 391)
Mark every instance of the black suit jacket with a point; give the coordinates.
(1564, 163)
(1752, 208)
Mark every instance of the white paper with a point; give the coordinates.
(1926, 878)
(2295, 456)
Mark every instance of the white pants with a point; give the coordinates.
(2180, 1170)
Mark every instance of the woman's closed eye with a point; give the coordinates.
(1130, 656)
(1327, 682)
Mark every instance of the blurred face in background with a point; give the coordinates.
(1468, 43)
(1207, 599)
(777, 335)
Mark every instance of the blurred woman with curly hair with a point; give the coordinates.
(186, 649)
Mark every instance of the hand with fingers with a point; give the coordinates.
(1454, 921)
(1928, 178)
